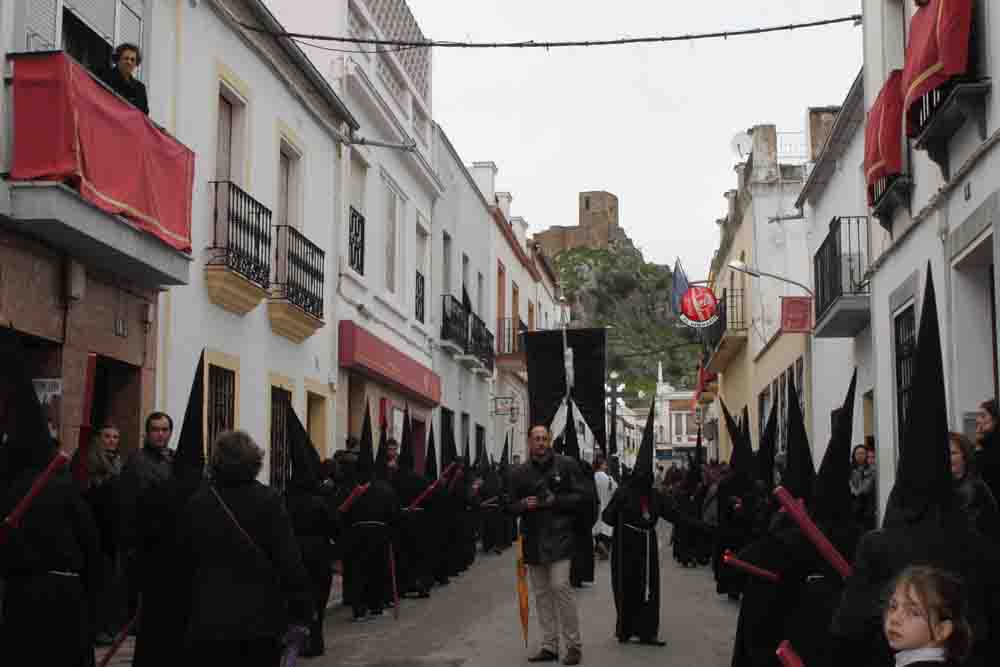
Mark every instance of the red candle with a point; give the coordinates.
(812, 532)
(729, 559)
(13, 519)
(355, 494)
(787, 655)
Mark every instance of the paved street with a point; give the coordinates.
(474, 623)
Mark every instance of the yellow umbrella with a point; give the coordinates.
(522, 588)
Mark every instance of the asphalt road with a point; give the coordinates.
(474, 623)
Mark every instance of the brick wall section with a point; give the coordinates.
(31, 300)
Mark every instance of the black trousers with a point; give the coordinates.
(264, 652)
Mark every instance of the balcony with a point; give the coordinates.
(295, 306)
(839, 268)
(942, 112)
(728, 336)
(510, 346)
(238, 271)
(86, 173)
(356, 242)
(481, 346)
(454, 326)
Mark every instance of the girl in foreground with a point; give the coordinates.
(926, 620)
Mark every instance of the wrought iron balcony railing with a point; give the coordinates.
(299, 267)
(419, 298)
(242, 227)
(731, 318)
(356, 242)
(841, 262)
(481, 342)
(454, 321)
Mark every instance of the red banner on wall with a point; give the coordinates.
(70, 128)
(796, 314)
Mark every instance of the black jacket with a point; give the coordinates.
(145, 468)
(242, 591)
(132, 89)
(988, 463)
(975, 500)
(548, 532)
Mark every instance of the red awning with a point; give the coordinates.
(370, 355)
(68, 127)
(884, 134)
(938, 49)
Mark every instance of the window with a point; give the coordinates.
(465, 278)
(586, 203)
(480, 292)
(446, 263)
(224, 141)
(480, 440)
(419, 283)
(464, 442)
(316, 421)
(288, 186)
(905, 337)
(391, 238)
(221, 401)
(531, 316)
(84, 43)
(356, 226)
(447, 424)
(763, 411)
(280, 456)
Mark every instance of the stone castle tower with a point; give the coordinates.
(598, 227)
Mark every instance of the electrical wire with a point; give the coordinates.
(301, 42)
(533, 44)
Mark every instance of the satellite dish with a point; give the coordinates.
(741, 145)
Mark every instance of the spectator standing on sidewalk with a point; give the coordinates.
(988, 455)
(547, 495)
(863, 488)
(971, 493)
(104, 468)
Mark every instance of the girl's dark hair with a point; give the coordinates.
(991, 407)
(968, 451)
(942, 595)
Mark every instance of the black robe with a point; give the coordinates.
(414, 563)
(582, 565)
(52, 565)
(370, 523)
(314, 524)
(635, 561)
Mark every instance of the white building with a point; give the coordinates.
(841, 238)
(675, 425)
(940, 208)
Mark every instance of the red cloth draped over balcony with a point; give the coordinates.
(705, 378)
(884, 134)
(938, 50)
(70, 128)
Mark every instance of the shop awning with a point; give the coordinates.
(369, 355)
(938, 50)
(884, 134)
(70, 128)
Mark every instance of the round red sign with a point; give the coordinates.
(699, 307)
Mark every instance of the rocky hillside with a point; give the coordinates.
(617, 288)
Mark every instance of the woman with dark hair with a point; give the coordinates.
(988, 453)
(249, 585)
(971, 492)
(863, 487)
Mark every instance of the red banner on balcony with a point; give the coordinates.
(884, 134)
(938, 50)
(370, 355)
(70, 128)
(796, 314)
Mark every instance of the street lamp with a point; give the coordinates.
(737, 265)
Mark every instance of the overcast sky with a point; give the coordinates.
(651, 123)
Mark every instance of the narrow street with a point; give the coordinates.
(474, 622)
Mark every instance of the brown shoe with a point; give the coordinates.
(572, 657)
(545, 655)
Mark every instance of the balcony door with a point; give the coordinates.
(224, 141)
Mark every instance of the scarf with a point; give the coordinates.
(932, 654)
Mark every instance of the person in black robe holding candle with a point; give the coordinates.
(635, 560)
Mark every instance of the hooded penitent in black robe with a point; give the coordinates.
(415, 558)
(633, 511)
(921, 525)
(582, 565)
(314, 522)
(734, 523)
(164, 575)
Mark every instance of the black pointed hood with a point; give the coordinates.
(735, 434)
(800, 473)
(643, 470)
(381, 456)
(190, 452)
(406, 448)
(923, 479)
(366, 458)
(832, 494)
(306, 464)
(693, 478)
(430, 458)
(24, 434)
(505, 456)
(745, 460)
(768, 444)
(449, 452)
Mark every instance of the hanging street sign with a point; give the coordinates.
(699, 307)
